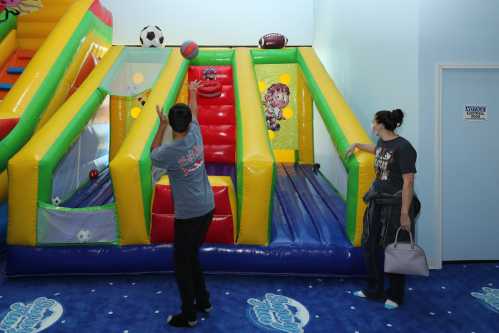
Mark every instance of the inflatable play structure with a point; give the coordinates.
(47, 49)
(83, 197)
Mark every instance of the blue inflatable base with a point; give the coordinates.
(307, 238)
(289, 260)
(3, 225)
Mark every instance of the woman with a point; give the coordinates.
(391, 204)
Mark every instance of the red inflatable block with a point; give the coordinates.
(221, 230)
(25, 54)
(222, 74)
(210, 89)
(218, 134)
(222, 202)
(163, 218)
(162, 228)
(217, 115)
(6, 125)
(226, 98)
(163, 200)
(220, 153)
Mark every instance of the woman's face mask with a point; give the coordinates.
(376, 127)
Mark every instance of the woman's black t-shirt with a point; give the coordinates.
(393, 159)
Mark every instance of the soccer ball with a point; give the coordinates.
(152, 36)
(83, 236)
(56, 201)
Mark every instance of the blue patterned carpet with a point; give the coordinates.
(442, 303)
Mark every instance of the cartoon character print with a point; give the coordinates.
(384, 158)
(272, 123)
(489, 297)
(275, 100)
(210, 73)
(18, 7)
(142, 100)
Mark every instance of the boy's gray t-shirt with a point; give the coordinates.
(183, 161)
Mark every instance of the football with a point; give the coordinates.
(273, 41)
(152, 36)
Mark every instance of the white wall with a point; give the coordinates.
(371, 51)
(385, 54)
(327, 156)
(451, 32)
(221, 22)
(370, 48)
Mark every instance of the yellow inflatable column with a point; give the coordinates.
(255, 161)
(118, 109)
(126, 167)
(4, 184)
(305, 121)
(7, 46)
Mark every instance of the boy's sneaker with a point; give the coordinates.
(204, 308)
(391, 305)
(180, 320)
(369, 295)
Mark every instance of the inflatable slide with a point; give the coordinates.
(47, 49)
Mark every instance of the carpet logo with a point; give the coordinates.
(31, 317)
(489, 297)
(279, 313)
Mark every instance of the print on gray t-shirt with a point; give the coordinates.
(183, 161)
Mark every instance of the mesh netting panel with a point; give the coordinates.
(89, 152)
(76, 226)
(135, 71)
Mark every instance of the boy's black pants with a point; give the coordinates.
(189, 236)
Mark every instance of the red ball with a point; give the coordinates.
(93, 174)
(189, 49)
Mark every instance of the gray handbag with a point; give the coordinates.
(405, 258)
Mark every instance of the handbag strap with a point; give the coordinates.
(397, 237)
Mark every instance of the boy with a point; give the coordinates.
(183, 160)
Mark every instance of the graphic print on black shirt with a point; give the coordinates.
(393, 159)
(383, 159)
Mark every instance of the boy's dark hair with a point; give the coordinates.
(180, 117)
(390, 119)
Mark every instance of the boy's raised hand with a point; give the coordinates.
(163, 120)
(193, 98)
(194, 85)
